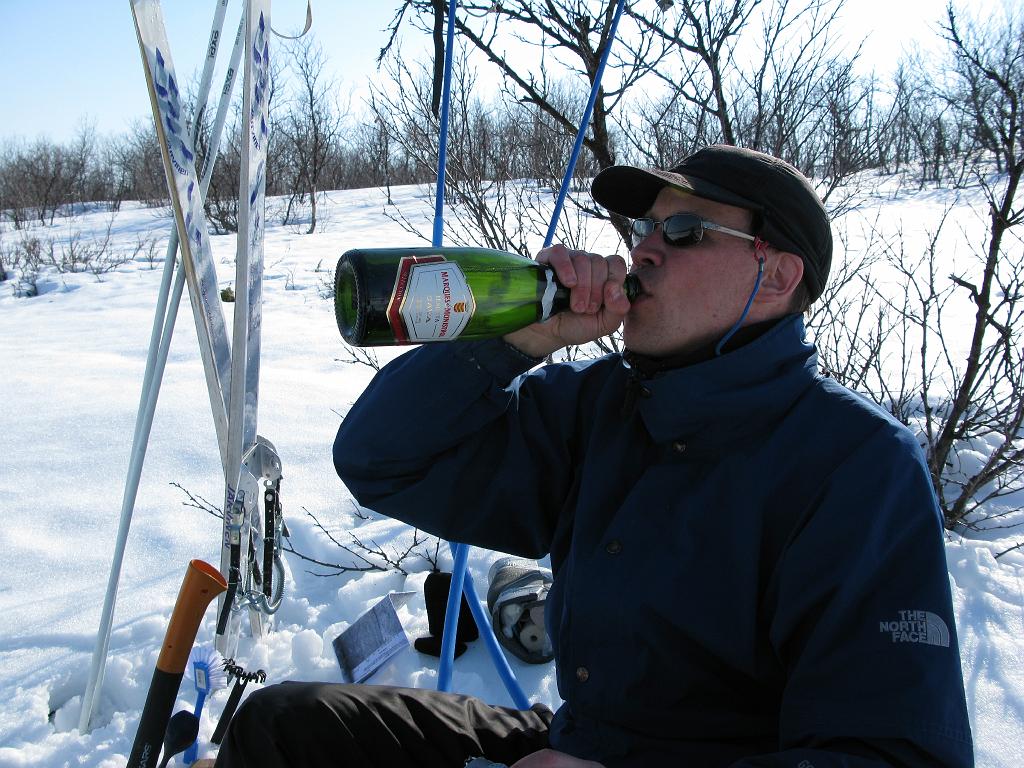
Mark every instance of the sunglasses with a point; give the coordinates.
(680, 229)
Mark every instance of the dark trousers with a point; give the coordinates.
(366, 726)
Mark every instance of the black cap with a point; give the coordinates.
(789, 215)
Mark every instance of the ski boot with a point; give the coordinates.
(516, 595)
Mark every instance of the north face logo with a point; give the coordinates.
(917, 627)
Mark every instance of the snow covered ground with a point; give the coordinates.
(73, 360)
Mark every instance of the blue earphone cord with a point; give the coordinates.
(746, 309)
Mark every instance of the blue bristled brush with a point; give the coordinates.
(208, 675)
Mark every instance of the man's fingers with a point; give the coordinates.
(616, 269)
(588, 275)
(614, 296)
(559, 258)
(580, 298)
(598, 277)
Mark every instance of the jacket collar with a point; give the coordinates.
(710, 403)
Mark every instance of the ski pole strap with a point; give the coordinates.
(305, 29)
(236, 515)
(242, 679)
(229, 597)
(271, 534)
(267, 587)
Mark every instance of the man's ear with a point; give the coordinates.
(782, 274)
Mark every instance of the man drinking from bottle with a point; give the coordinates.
(748, 558)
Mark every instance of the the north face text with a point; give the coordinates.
(917, 627)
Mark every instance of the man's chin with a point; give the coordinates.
(641, 345)
(643, 339)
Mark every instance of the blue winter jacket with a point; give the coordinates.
(749, 568)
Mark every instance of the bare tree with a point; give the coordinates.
(13, 201)
(704, 34)
(988, 400)
(483, 151)
(848, 323)
(961, 385)
(311, 127)
(492, 199)
(565, 34)
(41, 179)
(378, 150)
(221, 201)
(759, 74)
(142, 166)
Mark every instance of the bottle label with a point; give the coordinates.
(431, 300)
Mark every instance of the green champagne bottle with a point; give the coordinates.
(385, 296)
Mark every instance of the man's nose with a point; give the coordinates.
(648, 252)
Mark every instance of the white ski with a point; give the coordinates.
(159, 341)
(249, 458)
(243, 524)
(179, 165)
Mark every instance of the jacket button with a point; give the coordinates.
(613, 547)
(678, 446)
(645, 392)
(582, 674)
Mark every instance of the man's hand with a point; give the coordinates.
(550, 758)
(597, 303)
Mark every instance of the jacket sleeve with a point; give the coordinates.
(863, 621)
(425, 441)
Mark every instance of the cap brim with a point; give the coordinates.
(631, 191)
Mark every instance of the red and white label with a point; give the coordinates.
(431, 301)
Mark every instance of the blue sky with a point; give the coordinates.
(64, 60)
(68, 60)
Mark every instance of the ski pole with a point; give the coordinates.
(583, 127)
(460, 552)
(442, 151)
(451, 616)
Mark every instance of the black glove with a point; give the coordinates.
(435, 595)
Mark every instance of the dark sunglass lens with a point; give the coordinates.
(641, 228)
(682, 229)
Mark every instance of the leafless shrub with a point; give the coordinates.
(365, 556)
(369, 556)
(361, 356)
(78, 254)
(146, 250)
(221, 201)
(137, 168)
(27, 258)
(75, 254)
(196, 501)
(847, 322)
(987, 402)
(325, 282)
(960, 387)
